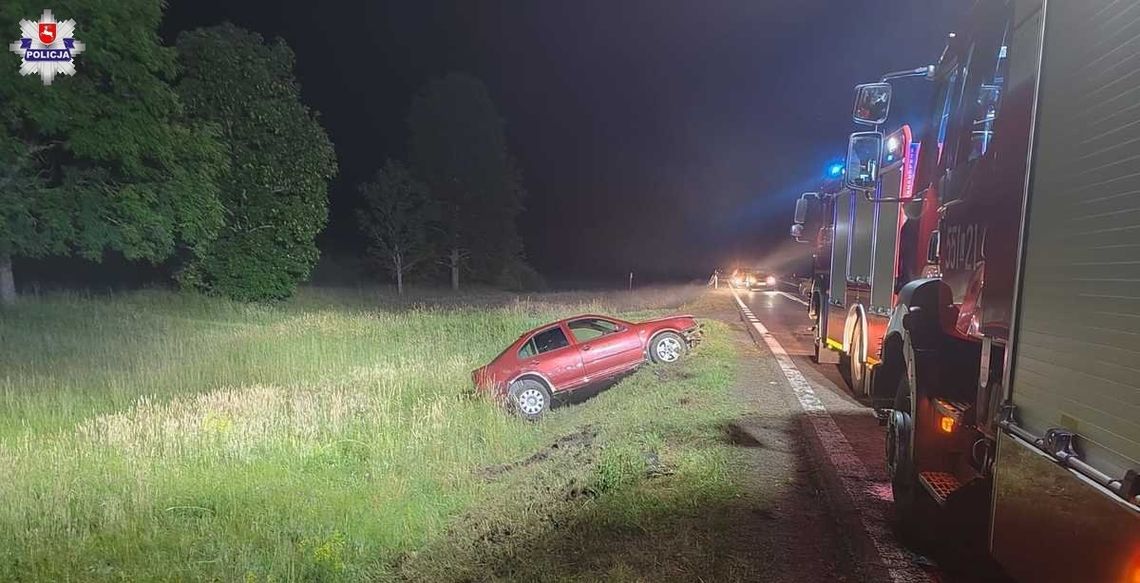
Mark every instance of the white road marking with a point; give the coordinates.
(866, 494)
(793, 298)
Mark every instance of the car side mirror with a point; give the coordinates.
(872, 103)
(864, 155)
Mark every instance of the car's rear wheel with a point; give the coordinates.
(667, 347)
(529, 399)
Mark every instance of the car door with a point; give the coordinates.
(608, 347)
(550, 353)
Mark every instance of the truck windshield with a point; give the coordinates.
(988, 100)
(934, 135)
(966, 106)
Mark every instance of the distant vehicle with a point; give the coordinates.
(753, 279)
(578, 352)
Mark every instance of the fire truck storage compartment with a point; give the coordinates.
(839, 244)
(1076, 365)
(886, 235)
(862, 233)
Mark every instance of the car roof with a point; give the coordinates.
(602, 316)
(566, 320)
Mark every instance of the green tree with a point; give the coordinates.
(459, 148)
(102, 160)
(397, 219)
(276, 193)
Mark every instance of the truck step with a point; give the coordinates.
(940, 485)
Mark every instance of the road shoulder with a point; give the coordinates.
(860, 498)
(804, 534)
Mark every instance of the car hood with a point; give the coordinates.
(670, 318)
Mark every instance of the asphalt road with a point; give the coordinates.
(844, 445)
(785, 317)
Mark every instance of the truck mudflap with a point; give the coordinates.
(1053, 524)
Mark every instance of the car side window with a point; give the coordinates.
(528, 350)
(548, 340)
(588, 329)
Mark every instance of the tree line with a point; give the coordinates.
(203, 157)
(455, 202)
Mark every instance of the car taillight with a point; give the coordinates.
(771, 280)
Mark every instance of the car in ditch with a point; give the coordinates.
(579, 352)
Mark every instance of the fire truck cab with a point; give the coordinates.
(812, 225)
(864, 261)
(856, 259)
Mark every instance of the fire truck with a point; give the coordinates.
(813, 226)
(856, 258)
(1011, 358)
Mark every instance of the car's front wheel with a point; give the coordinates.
(667, 347)
(529, 399)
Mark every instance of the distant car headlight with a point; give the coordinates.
(771, 280)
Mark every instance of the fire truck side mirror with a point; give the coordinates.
(803, 207)
(864, 154)
(872, 103)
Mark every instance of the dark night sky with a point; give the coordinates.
(663, 136)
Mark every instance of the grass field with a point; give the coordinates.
(155, 436)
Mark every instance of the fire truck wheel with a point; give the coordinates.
(845, 368)
(858, 366)
(911, 501)
(817, 316)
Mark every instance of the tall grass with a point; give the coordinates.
(163, 436)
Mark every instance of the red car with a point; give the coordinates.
(578, 352)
